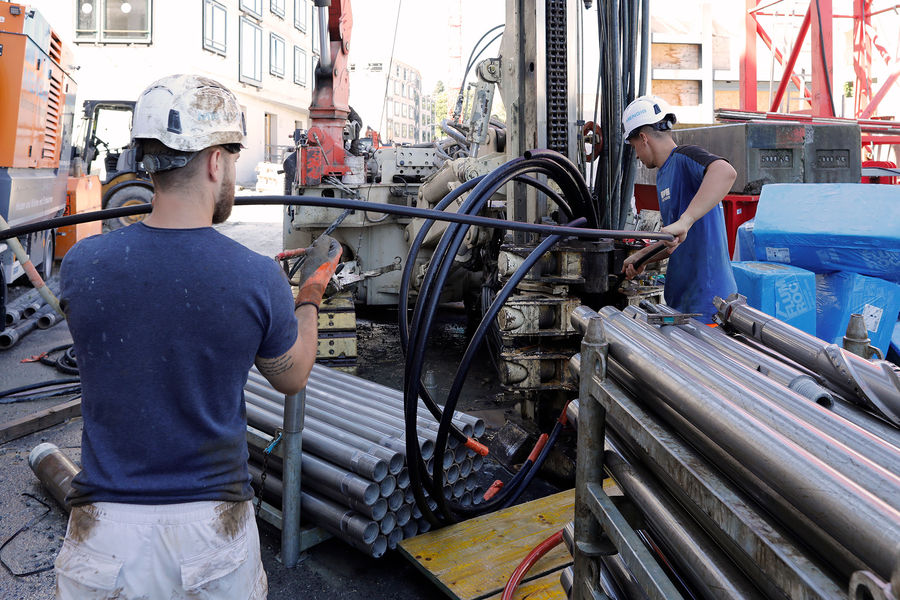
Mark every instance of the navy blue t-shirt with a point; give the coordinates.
(700, 268)
(166, 325)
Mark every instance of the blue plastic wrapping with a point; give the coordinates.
(787, 293)
(745, 249)
(839, 295)
(831, 227)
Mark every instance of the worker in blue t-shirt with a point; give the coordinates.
(690, 185)
(167, 317)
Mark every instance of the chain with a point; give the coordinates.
(265, 470)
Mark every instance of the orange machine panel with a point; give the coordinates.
(30, 120)
(82, 195)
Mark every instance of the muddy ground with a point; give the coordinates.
(32, 525)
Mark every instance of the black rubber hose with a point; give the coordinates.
(344, 203)
(536, 467)
(583, 193)
(37, 386)
(462, 371)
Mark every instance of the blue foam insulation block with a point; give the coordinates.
(838, 295)
(787, 293)
(745, 249)
(830, 227)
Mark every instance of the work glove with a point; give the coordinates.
(321, 261)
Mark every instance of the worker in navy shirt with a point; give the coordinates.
(690, 184)
(167, 317)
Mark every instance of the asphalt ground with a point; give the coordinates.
(32, 525)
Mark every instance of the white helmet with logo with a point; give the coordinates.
(647, 110)
(188, 113)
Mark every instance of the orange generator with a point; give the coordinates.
(37, 110)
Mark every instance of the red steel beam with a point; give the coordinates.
(764, 36)
(822, 59)
(792, 60)
(749, 81)
(873, 104)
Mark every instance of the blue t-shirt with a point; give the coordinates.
(700, 268)
(166, 325)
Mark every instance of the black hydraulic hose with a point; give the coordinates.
(344, 203)
(535, 467)
(37, 386)
(464, 366)
(583, 194)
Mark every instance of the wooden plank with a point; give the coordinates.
(674, 56)
(678, 92)
(547, 587)
(474, 559)
(40, 420)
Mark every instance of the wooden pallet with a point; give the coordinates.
(474, 559)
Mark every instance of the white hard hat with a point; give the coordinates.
(188, 113)
(647, 110)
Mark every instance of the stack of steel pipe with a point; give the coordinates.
(754, 476)
(25, 314)
(354, 479)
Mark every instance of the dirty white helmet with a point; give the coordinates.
(188, 113)
(647, 110)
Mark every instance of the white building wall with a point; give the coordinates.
(120, 71)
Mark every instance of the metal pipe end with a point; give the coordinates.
(371, 493)
(403, 514)
(379, 547)
(379, 470)
(370, 531)
(426, 449)
(394, 538)
(396, 499)
(379, 509)
(451, 474)
(396, 465)
(388, 523)
(465, 468)
(39, 453)
(479, 428)
(410, 530)
(448, 458)
(387, 486)
(402, 477)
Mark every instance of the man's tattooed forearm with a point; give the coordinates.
(275, 366)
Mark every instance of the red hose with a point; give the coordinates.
(535, 555)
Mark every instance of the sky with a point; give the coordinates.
(422, 38)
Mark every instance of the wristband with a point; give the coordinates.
(299, 304)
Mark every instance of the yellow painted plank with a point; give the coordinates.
(542, 588)
(474, 559)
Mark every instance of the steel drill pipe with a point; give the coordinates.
(689, 547)
(875, 384)
(394, 459)
(338, 520)
(329, 475)
(379, 398)
(789, 516)
(327, 375)
(813, 415)
(377, 432)
(403, 478)
(394, 538)
(410, 530)
(346, 410)
(363, 464)
(54, 469)
(396, 499)
(403, 514)
(10, 336)
(360, 402)
(387, 486)
(735, 536)
(388, 523)
(769, 366)
(867, 526)
(806, 424)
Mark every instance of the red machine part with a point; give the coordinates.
(323, 155)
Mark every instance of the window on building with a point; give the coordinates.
(214, 29)
(111, 21)
(276, 55)
(315, 32)
(396, 87)
(403, 129)
(277, 7)
(253, 7)
(397, 129)
(396, 109)
(301, 10)
(251, 52)
(403, 109)
(299, 66)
